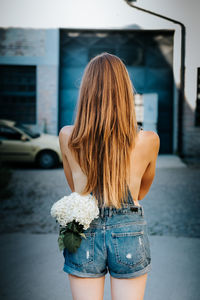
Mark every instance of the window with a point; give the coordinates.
(7, 133)
(18, 93)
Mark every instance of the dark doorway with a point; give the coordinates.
(148, 56)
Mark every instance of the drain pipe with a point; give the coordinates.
(182, 72)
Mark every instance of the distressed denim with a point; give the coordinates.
(117, 241)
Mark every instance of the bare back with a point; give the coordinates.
(143, 163)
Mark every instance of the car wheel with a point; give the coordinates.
(47, 159)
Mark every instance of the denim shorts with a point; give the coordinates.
(117, 241)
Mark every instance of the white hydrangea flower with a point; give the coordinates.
(82, 209)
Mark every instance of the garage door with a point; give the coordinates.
(148, 56)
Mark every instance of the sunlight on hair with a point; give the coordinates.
(105, 128)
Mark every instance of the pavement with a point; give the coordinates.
(169, 161)
(31, 268)
(31, 263)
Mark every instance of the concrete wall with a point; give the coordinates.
(117, 14)
(37, 47)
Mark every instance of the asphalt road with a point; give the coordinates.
(31, 264)
(172, 206)
(31, 269)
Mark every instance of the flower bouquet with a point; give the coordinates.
(74, 213)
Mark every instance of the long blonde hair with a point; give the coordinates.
(105, 129)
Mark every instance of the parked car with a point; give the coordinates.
(18, 143)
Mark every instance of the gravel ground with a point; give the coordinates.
(172, 206)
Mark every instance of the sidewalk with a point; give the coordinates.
(31, 264)
(169, 161)
(31, 268)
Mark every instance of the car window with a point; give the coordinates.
(27, 130)
(7, 133)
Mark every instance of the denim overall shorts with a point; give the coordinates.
(116, 241)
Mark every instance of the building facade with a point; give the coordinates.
(41, 71)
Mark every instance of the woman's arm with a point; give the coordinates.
(63, 139)
(149, 173)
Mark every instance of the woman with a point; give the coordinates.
(106, 155)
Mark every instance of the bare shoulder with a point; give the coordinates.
(149, 137)
(65, 131)
(148, 143)
(64, 134)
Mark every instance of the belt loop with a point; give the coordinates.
(110, 212)
(142, 211)
(103, 212)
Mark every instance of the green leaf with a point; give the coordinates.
(70, 236)
(72, 241)
(60, 242)
(62, 230)
(74, 227)
(82, 234)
